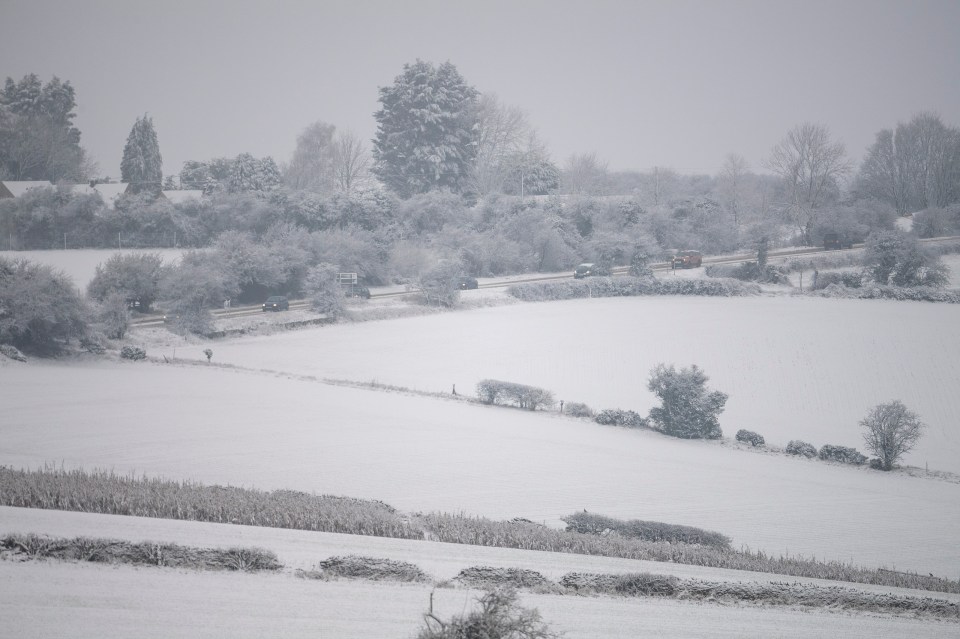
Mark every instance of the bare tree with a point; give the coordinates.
(812, 168)
(732, 183)
(501, 133)
(312, 164)
(585, 174)
(890, 431)
(350, 162)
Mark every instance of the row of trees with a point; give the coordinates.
(690, 410)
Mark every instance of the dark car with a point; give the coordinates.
(467, 283)
(357, 291)
(687, 259)
(276, 303)
(588, 269)
(835, 242)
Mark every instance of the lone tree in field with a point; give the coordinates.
(891, 430)
(688, 410)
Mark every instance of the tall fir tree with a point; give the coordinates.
(425, 137)
(142, 165)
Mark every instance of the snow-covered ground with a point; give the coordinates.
(260, 416)
(54, 599)
(277, 430)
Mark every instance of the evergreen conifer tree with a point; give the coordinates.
(142, 165)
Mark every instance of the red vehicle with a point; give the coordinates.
(687, 259)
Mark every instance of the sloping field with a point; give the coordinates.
(270, 431)
(41, 599)
(795, 368)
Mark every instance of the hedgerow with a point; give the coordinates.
(617, 417)
(629, 287)
(140, 553)
(798, 447)
(370, 568)
(784, 594)
(594, 524)
(492, 391)
(750, 437)
(842, 454)
(108, 493)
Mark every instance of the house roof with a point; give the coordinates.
(179, 197)
(14, 188)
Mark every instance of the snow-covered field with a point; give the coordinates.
(177, 603)
(278, 430)
(260, 415)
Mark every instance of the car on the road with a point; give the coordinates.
(588, 269)
(467, 283)
(276, 303)
(835, 242)
(687, 259)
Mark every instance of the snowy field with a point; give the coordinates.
(260, 415)
(177, 602)
(795, 368)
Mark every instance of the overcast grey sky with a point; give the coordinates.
(642, 84)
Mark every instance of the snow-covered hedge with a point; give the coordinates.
(490, 577)
(594, 524)
(750, 437)
(629, 287)
(842, 454)
(899, 293)
(493, 391)
(576, 409)
(771, 593)
(133, 352)
(798, 447)
(748, 272)
(617, 417)
(371, 568)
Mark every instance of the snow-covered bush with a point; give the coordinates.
(490, 577)
(850, 279)
(133, 353)
(629, 287)
(750, 437)
(748, 272)
(617, 417)
(687, 409)
(576, 409)
(492, 391)
(842, 454)
(12, 352)
(371, 568)
(594, 524)
(499, 616)
(798, 447)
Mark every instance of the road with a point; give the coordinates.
(240, 311)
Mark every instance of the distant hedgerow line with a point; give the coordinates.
(109, 493)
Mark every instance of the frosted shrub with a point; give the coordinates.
(687, 409)
(594, 524)
(617, 417)
(628, 287)
(750, 437)
(371, 568)
(842, 454)
(797, 447)
(133, 353)
(492, 391)
(576, 409)
(490, 577)
(849, 279)
(499, 616)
